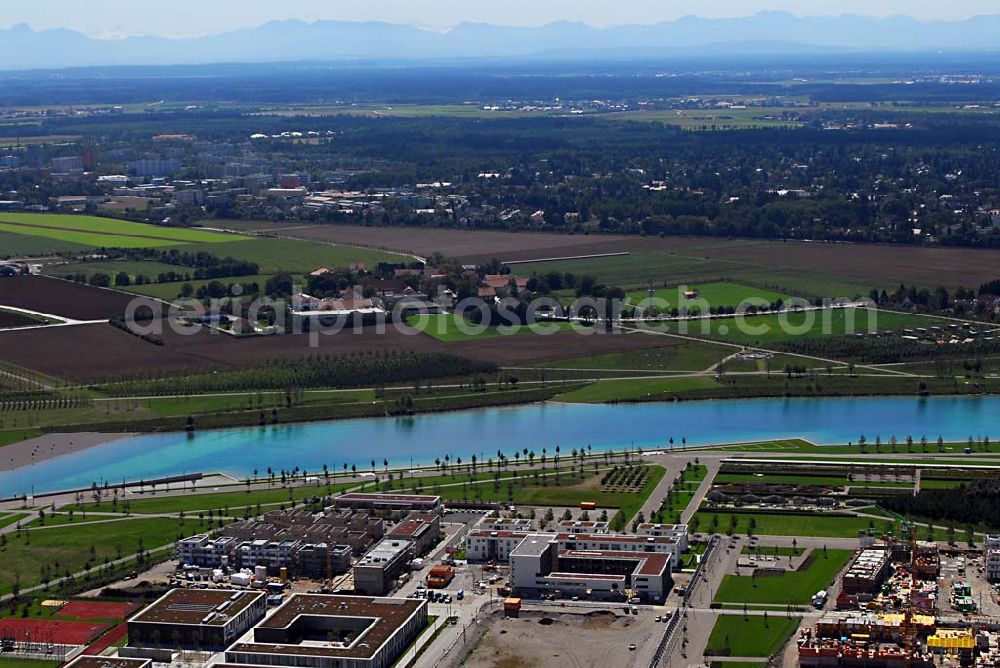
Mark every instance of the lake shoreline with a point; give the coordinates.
(483, 432)
(51, 445)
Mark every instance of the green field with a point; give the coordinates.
(67, 548)
(169, 291)
(235, 500)
(216, 403)
(112, 267)
(27, 663)
(448, 327)
(13, 518)
(771, 329)
(294, 255)
(785, 524)
(680, 356)
(795, 588)
(635, 390)
(105, 232)
(17, 435)
(15, 245)
(714, 294)
(735, 635)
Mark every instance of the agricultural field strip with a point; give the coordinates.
(57, 320)
(26, 223)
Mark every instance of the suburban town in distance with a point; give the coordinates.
(500, 335)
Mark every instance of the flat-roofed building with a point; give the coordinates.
(622, 543)
(487, 545)
(539, 565)
(398, 502)
(377, 572)
(332, 631)
(506, 524)
(678, 532)
(582, 526)
(302, 542)
(421, 529)
(196, 619)
(90, 661)
(867, 571)
(993, 565)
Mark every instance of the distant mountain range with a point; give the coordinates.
(766, 32)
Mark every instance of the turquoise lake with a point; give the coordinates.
(483, 432)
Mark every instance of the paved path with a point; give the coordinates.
(673, 468)
(704, 488)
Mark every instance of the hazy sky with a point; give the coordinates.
(194, 17)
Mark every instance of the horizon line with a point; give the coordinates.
(113, 37)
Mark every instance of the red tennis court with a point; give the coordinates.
(108, 639)
(51, 631)
(96, 610)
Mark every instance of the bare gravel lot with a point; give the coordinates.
(595, 640)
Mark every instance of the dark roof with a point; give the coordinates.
(386, 615)
(87, 661)
(193, 606)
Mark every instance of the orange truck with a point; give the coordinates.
(440, 576)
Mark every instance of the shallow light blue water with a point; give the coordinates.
(483, 432)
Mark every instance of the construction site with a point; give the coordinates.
(891, 613)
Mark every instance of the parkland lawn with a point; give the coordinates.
(568, 491)
(786, 524)
(68, 548)
(736, 635)
(818, 570)
(235, 500)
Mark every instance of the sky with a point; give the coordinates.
(118, 18)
